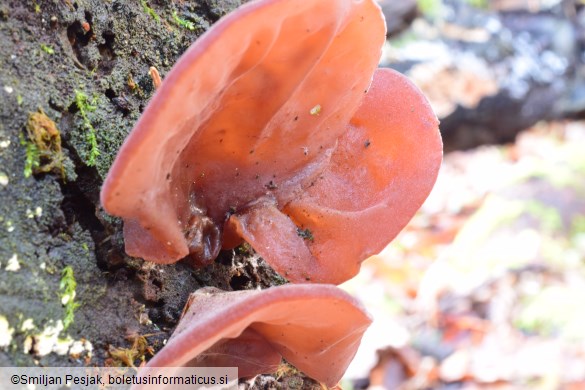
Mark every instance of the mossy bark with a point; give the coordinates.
(53, 52)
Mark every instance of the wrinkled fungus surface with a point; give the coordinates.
(317, 328)
(264, 131)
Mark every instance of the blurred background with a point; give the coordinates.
(484, 288)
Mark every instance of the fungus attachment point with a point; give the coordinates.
(317, 328)
(244, 98)
(203, 239)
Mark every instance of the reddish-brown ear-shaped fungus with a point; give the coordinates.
(379, 174)
(317, 328)
(253, 135)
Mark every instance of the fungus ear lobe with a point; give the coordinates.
(276, 238)
(317, 328)
(203, 239)
(140, 242)
(382, 170)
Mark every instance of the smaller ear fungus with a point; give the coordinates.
(317, 328)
